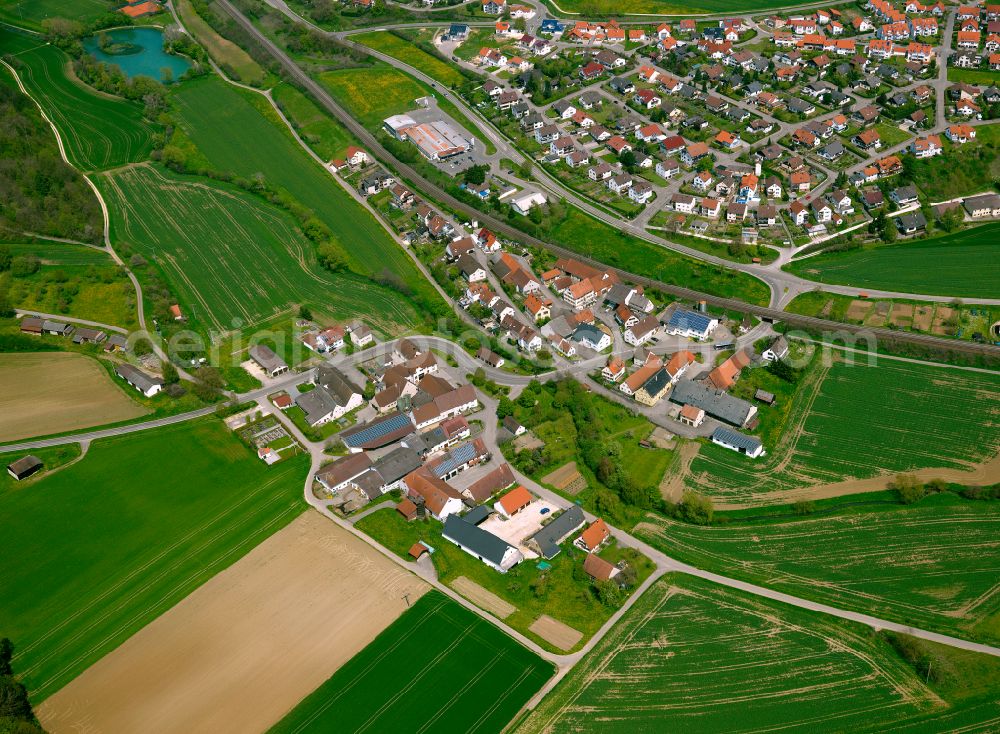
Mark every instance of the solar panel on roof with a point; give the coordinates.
(689, 320)
(373, 431)
(734, 438)
(455, 458)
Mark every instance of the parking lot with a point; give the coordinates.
(522, 526)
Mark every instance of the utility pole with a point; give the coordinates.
(407, 598)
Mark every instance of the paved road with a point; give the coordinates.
(783, 285)
(412, 176)
(663, 562)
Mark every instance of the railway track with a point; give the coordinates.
(439, 195)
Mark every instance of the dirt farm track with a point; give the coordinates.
(50, 392)
(246, 647)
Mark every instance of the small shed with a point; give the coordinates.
(25, 467)
(408, 509)
(763, 396)
(417, 550)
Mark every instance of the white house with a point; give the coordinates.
(146, 384)
(522, 204)
(777, 350)
(642, 331)
(739, 442)
(492, 550)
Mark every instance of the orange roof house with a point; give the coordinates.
(723, 376)
(514, 501)
(594, 536)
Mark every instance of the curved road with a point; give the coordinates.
(435, 193)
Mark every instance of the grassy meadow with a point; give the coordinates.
(373, 93)
(961, 170)
(231, 256)
(958, 264)
(324, 135)
(238, 131)
(695, 657)
(853, 422)
(73, 280)
(99, 131)
(590, 237)
(233, 59)
(392, 45)
(932, 565)
(428, 671)
(138, 523)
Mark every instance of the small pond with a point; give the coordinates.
(138, 52)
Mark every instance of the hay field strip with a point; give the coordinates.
(212, 112)
(244, 648)
(959, 264)
(99, 131)
(171, 507)
(933, 565)
(694, 657)
(439, 667)
(53, 392)
(232, 256)
(392, 45)
(859, 422)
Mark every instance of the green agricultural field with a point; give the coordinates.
(238, 131)
(959, 264)
(93, 552)
(392, 45)
(324, 135)
(31, 13)
(855, 422)
(932, 565)
(99, 131)
(74, 280)
(230, 256)
(695, 657)
(374, 93)
(428, 671)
